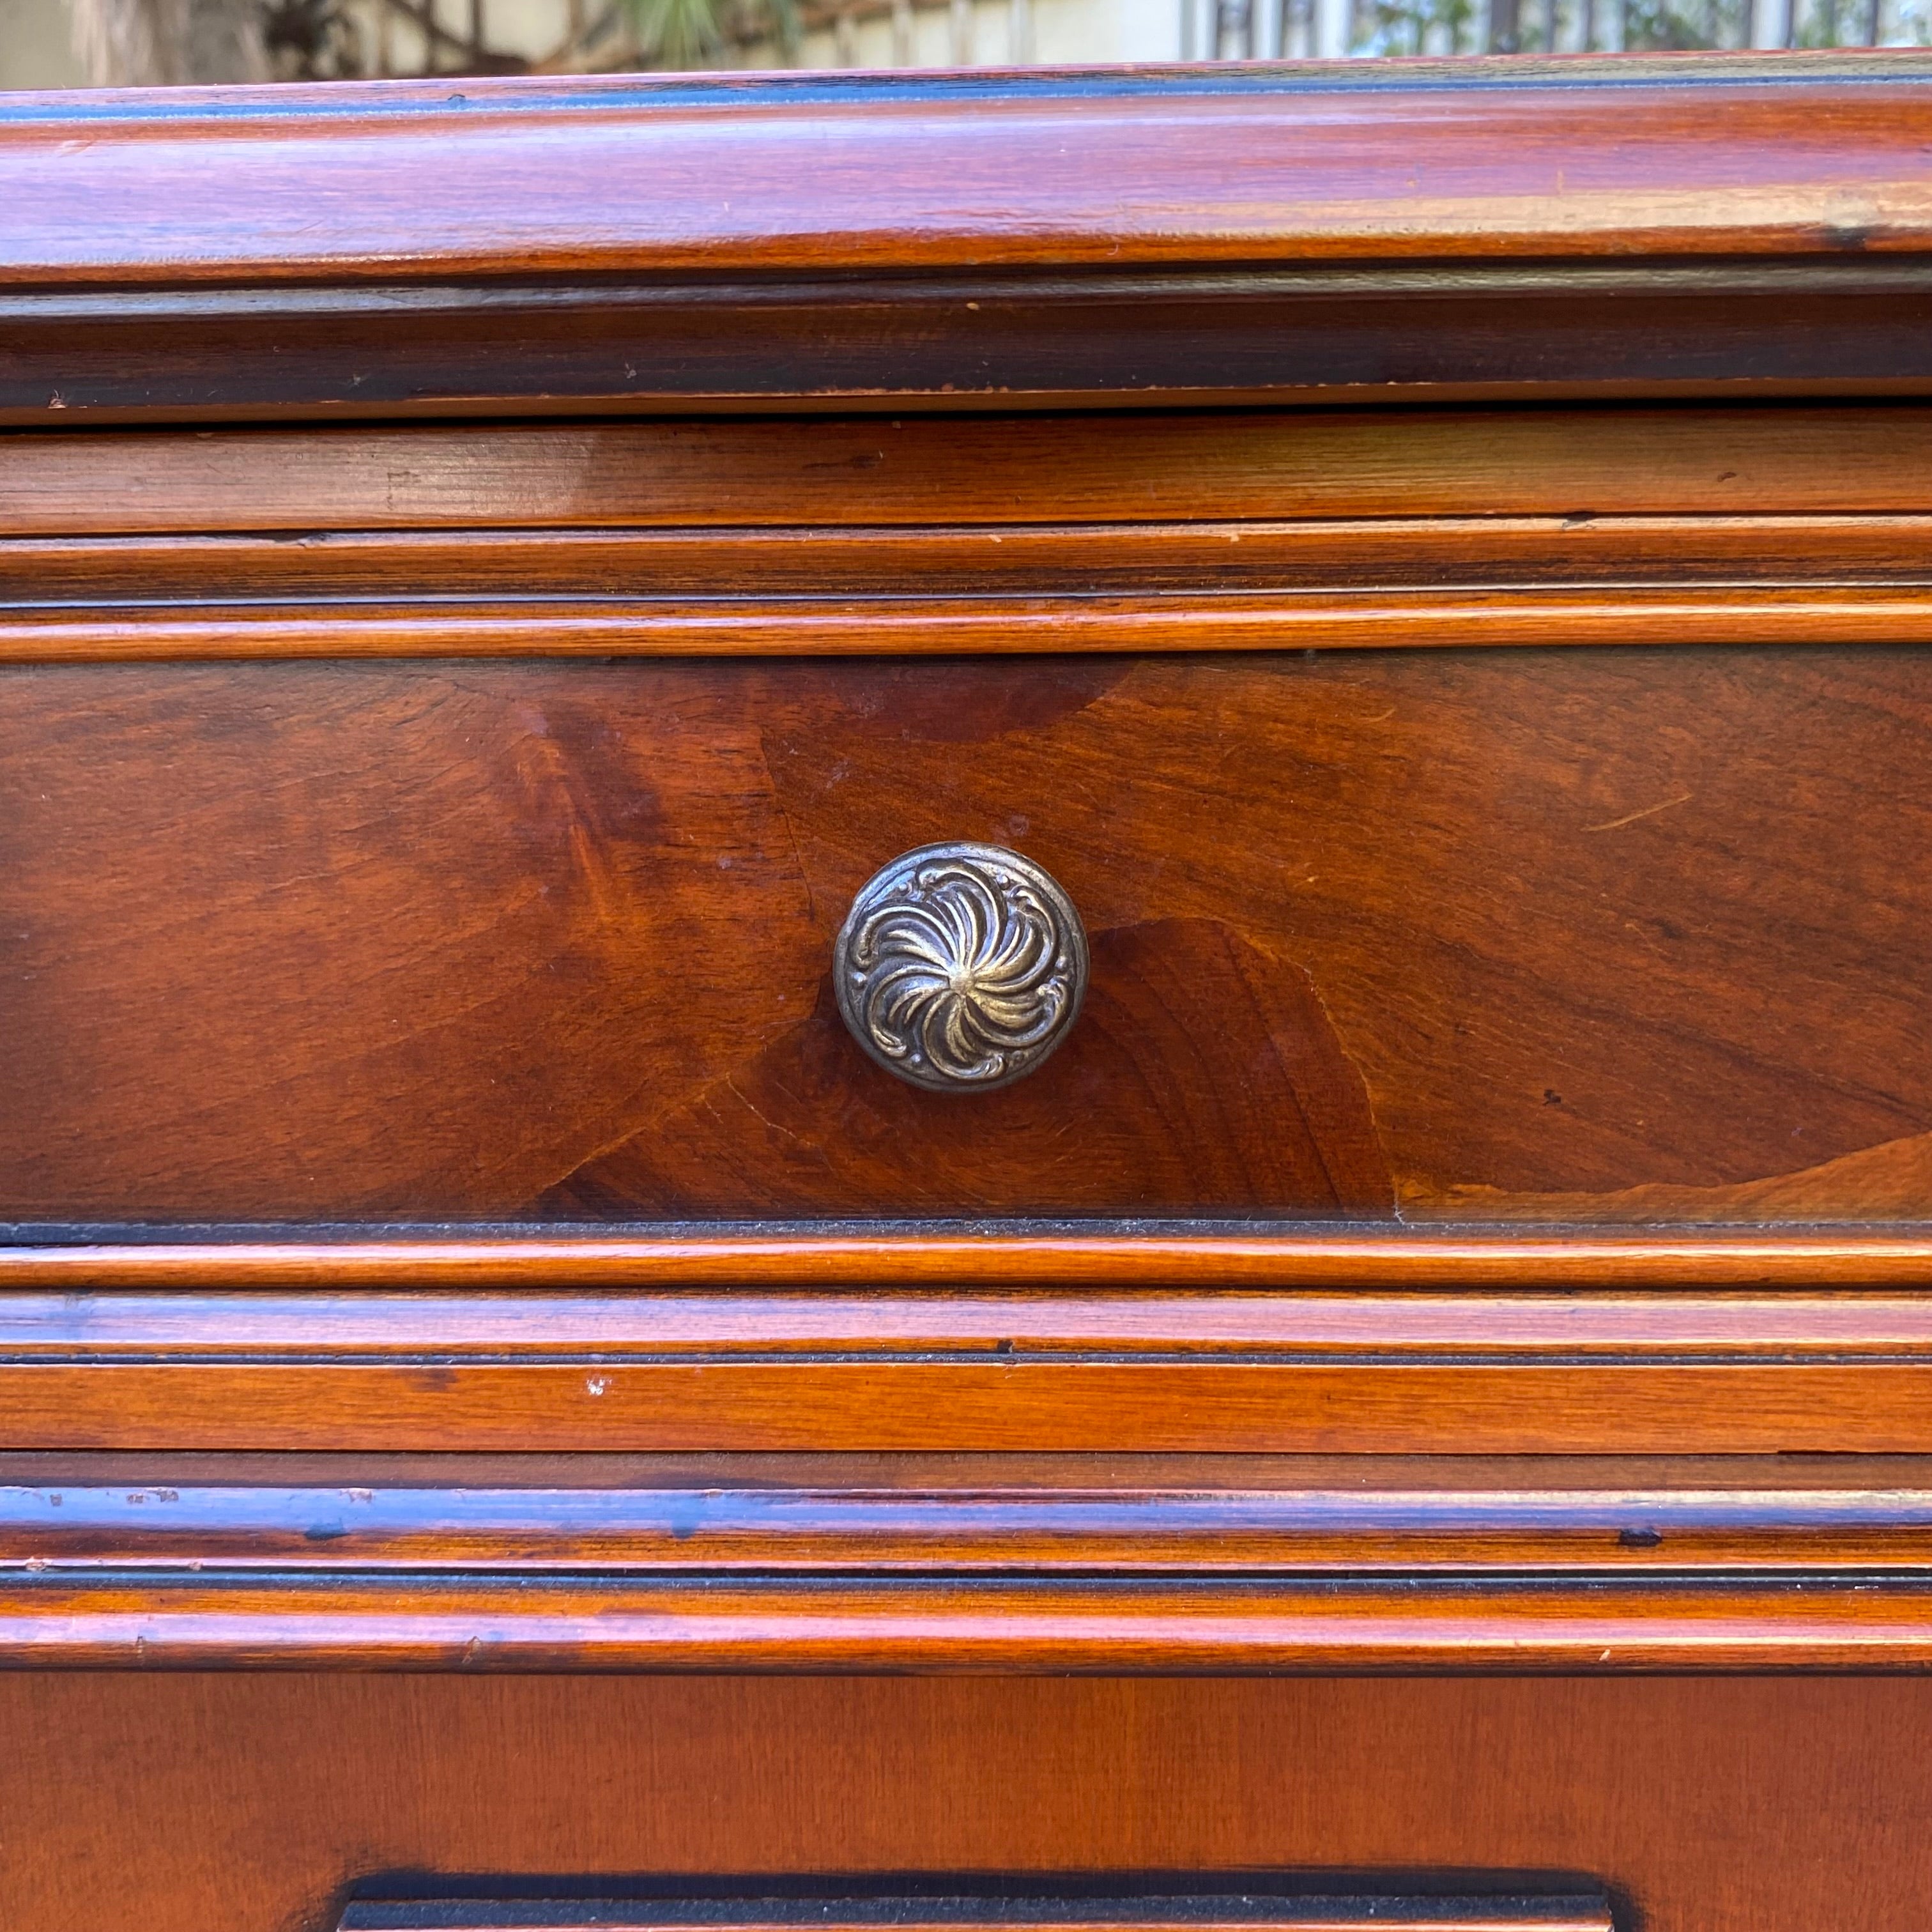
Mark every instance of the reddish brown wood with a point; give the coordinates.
(262, 1799)
(1569, 937)
(1210, 1913)
(1130, 1321)
(637, 570)
(914, 471)
(455, 1029)
(1492, 230)
(917, 627)
(673, 175)
(1110, 1627)
(1135, 1371)
(1017, 1254)
(83, 1516)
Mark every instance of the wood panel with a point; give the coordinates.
(1127, 1372)
(1296, 1912)
(133, 1516)
(1469, 229)
(1104, 1626)
(1585, 937)
(403, 1519)
(633, 569)
(914, 471)
(792, 173)
(264, 1800)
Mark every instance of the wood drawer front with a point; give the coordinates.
(1610, 934)
(270, 1798)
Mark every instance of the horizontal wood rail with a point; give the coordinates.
(1018, 1254)
(1822, 614)
(1428, 229)
(1120, 1372)
(966, 1563)
(1305, 1911)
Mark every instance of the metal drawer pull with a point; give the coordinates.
(961, 967)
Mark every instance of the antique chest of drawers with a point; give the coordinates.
(990, 1001)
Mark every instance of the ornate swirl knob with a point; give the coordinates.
(960, 967)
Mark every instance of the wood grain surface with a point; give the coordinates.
(264, 1800)
(1579, 937)
(1466, 228)
(1121, 1373)
(1005, 1254)
(928, 474)
(857, 1562)
(909, 535)
(1107, 1626)
(920, 172)
(1295, 1911)
(84, 1516)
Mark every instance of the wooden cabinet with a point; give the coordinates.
(1417, 1412)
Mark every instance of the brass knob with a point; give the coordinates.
(961, 967)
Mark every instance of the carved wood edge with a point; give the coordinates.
(1015, 1254)
(623, 243)
(1814, 614)
(1659, 1576)
(1135, 1371)
(1258, 1906)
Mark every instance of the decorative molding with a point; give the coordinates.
(956, 1565)
(1018, 1254)
(925, 1368)
(1256, 1909)
(647, 244)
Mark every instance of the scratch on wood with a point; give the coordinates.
(1648, 812)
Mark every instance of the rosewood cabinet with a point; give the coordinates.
(983, 1002)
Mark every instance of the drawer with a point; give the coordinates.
(284, 1799)
(1618, 933)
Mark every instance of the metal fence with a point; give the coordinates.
(1291, 29)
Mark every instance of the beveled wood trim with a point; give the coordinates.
(564, 177)
(81, 1515)
(1107, 1628)
(1356, 1407)
(906, 627)
(1253, 1373)
(147, 575)
(1254, 1909)
(954, 1563)
(634, 242)
(1014, 1254)
(982, 472)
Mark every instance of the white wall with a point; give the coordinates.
(35, 49)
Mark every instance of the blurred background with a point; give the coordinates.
(134, 43)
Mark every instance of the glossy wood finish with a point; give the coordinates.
(916, 536)
(1577, 1912)
(83, 1515)
(1563, 938)
(264, 1799)
(1132, 1372)
(927, 473)
(1477, 228)
(1480, 1230)
(1009, 1254)
(953, 1563)
(1337, 583)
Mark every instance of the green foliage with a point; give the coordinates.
(1418, 26)
(693, 33)
(1657, 26)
